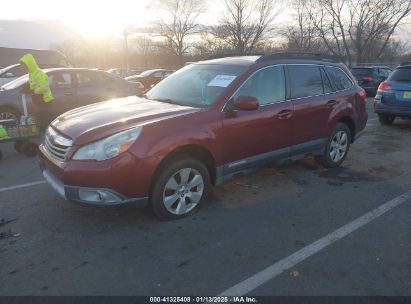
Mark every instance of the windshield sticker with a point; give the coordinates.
(221, 81)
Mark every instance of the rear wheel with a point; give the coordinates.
(18, 145)
(179, 189)
(337, 147)
(9, 113)
(386, 119)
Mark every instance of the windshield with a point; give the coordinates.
(196, 85)
(401, 75)
(16, 83)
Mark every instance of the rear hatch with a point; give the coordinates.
(364, 76)
(400, 92)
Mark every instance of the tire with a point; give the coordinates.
(30, 149)
(1, 155)
(9, 113)
(170, 185)
(18, 145)
(338, 145)
(386, 120)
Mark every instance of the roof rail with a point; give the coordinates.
(288, 55)
(218, 56)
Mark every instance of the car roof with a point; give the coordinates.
(73, 69)
(371, 67)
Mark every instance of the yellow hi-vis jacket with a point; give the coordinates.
(3, 133)
(39, 81)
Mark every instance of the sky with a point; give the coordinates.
(94, 18)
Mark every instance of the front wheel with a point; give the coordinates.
(179, 189)
(337, 147)
(386, 119)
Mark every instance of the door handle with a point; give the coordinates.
(331, 103)
(285, 114)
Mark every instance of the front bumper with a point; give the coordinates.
(93, 196)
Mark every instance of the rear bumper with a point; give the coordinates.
(92, 196)
(393, 110)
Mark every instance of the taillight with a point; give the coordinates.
(384, 86)
(363, 94)
(368, 78)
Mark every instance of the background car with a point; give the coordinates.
(14, 71)
(151, 77)
(71, 88)
(393, 98)
(123, 72)
(370, 77)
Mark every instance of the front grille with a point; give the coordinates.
(56, 144)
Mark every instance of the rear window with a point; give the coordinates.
(359, 73)
(339, 80)
(401, 75)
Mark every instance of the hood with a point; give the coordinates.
(30, 63)
(99, 120)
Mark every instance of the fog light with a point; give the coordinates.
(97, 196)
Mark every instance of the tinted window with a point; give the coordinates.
(267, 85)
(383, 72)
(401, 75)
(60, 80)
(338, 78)
(305, 80)
(158, 74)
(326, 82)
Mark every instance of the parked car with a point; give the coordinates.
(150, 78)
(71, 88)
(370, 77)
(123, 73)
(393, 98)
(14, 71)
(204, 124)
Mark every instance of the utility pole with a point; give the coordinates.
(126, 63)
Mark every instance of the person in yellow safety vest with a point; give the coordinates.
(3, 133)
(40, 92)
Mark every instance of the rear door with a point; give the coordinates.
(305, 83)
(63, 90)
(255, 137)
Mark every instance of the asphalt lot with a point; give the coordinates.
(248, 224)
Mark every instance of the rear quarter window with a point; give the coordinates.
(401, 75)
(339, 80)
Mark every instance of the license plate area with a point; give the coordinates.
(407, 95)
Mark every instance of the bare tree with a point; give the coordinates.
(180, 21)
(302, 35)
(245, 22)
(350, 28)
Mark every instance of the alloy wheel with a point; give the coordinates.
(338, 146)
(183, 191)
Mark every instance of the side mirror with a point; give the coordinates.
(246, 103)
(9, 75)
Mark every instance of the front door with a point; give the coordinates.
(260, 136)
(63, 90)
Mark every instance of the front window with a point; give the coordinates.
(196, 85)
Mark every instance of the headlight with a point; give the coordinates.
(108, 147)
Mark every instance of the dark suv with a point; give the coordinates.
(370, 77)
(204, 124)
